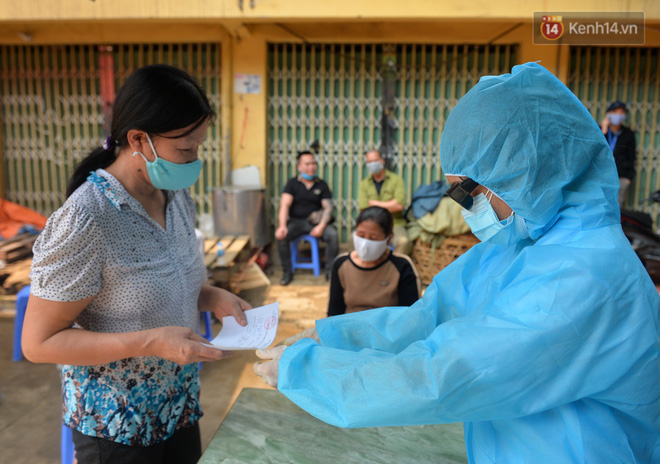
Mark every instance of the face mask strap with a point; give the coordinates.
(135, 153)
(152, 147)
(509, 218)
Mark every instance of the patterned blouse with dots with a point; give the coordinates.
(102, 243)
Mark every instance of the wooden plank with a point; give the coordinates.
(15, 276)
(254, 278)
(235, 248)
(210, 248)
(221, 274)
(13, 255)
(16, 248)
(248, 265)
(226, 241)
(212, 254)
(16, 238)
(238, 244)
(26, 242)
(210, 243)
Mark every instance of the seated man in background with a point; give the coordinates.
(305, 208)
(385, 189)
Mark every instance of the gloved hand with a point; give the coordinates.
(309, 333)
(269, 370)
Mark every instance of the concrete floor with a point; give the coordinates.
(30, 406)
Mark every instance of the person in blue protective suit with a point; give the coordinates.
(544, 338)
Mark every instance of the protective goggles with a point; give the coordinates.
(460, 192)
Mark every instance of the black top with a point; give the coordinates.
(305, 202)
(378, 185)
(624, 152)
(394, 282)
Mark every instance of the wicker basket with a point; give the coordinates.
(429, 262)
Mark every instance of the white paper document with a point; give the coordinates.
(258, 333)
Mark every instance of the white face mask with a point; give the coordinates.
(369, 250)
(375, 167)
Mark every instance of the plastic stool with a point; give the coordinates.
(208, 329)
(21, 304)
(208, 326)
(66, 446)
(298, 263)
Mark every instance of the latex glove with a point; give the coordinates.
(309, 333)
(269, 370)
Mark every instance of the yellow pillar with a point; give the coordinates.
(555, 58)
(3, 187)
(249, 111)
(227, 103)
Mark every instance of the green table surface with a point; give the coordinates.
(264, 427)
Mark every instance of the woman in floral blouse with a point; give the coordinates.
(118, 283)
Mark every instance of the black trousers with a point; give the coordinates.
(184, 447)
(296, 228)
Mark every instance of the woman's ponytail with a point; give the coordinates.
(100, 158)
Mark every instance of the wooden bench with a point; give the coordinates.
(236, 270)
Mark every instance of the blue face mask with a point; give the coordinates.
(485, 224)
(170, 176)
(307, 176)
(617, 119)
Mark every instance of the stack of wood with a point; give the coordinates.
(15, 262)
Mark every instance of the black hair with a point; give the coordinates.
(379, 215)
(156, 99)
(301, 153)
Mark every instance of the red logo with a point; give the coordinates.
(551, 27)
(270, 322)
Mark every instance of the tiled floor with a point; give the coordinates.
(31, 399)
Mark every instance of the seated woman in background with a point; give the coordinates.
(372, 276)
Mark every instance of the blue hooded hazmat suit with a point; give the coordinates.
(546, 348)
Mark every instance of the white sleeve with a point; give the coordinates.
(68, 256)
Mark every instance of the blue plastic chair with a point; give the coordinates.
(299, 263)
(21, 303)
(66, 446)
